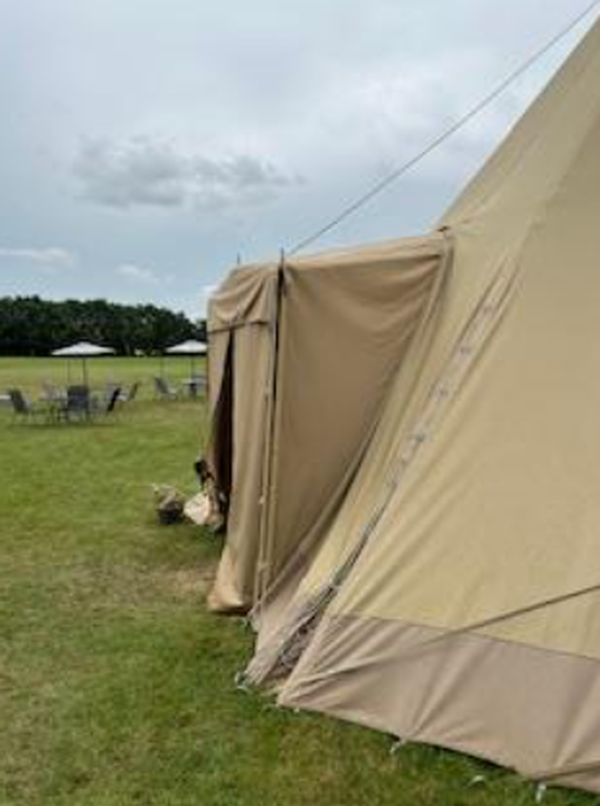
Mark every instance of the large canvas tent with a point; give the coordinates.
(407, 437)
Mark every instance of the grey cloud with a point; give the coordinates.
(46, 256)
(145, 173)
(230, 101)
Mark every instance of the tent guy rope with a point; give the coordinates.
(401, 170)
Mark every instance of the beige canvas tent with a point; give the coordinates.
(408, 438)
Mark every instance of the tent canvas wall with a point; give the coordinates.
(300, 361)
(453, 597)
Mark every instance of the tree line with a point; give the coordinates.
(31, 326)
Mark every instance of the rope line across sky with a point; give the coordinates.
(403, 169)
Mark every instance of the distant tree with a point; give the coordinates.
(33, 326)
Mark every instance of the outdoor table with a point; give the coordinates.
(59, 406)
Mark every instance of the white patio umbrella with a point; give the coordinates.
(191, 347)
(83, 350)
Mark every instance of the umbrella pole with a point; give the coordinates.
(85, 372)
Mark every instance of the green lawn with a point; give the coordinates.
(116, 685)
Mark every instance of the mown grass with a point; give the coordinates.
(116, 686)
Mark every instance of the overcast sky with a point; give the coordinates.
(144, 144)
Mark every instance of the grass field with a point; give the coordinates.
(116, 685)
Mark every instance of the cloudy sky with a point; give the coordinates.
(144, 144)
